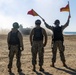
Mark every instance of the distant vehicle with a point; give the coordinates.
(24, 31)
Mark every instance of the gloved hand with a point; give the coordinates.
(21, 48)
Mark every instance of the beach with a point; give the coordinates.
(70, 56)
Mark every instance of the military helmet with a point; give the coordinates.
(57, 22)
(15, 25)
(38, 22)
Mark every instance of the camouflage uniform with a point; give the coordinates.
(60, 46)
(14, 50)
(37, 47)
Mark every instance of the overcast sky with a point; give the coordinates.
(16, 11)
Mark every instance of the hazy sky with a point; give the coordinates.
(16, 11)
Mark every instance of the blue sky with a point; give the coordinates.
(16, 11)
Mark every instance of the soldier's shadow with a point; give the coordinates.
(21, 73)
(11, 73)
(38, 73)
(45, 73)
(69, 70)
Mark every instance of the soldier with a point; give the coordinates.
(38, 40)
(57, 40)
(15, 46)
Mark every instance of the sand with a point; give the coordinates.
(70, 55)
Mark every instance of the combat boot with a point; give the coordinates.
(19, 70)
(34, 68)
(64, 64)
(52, 65)
(41, 69)
(9, 70)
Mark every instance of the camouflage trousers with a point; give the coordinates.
(37, 48)
(60, 46)
(14, 50)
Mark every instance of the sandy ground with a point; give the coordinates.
(70, 55)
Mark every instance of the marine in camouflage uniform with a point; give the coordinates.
(57, 40)
(15, 47)
(37, 36)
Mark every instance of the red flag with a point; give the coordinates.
(32, 12)
(66, 8)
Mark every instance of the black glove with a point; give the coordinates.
(21, 48)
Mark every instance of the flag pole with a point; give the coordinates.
(69, 9)
(39, 16)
